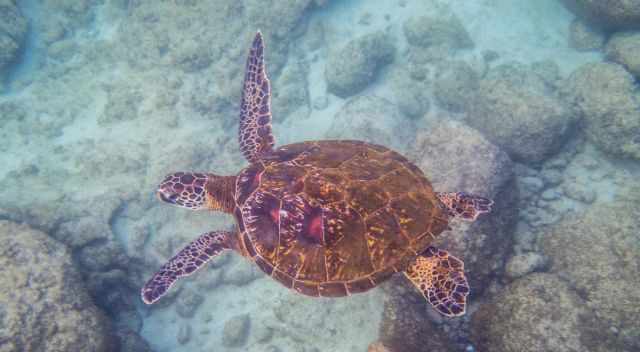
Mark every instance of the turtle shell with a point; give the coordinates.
(332, 218)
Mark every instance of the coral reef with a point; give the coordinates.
(606, 96)
(44, 303)
(624, 48)
(539, 312)
(352, 68)
(612, 15)
(597, 253)
(518, 109)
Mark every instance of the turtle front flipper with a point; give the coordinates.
(464, 205)
(186, 262)
(440, 278)
(255, 135)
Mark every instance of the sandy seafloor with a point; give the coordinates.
(80, 159)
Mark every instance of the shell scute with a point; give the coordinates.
(333, 289)
(318, 187)
(366, 197)
(326, 155)
(307, 288)
(261, 217)
(385, 239)
(331, 218)
(286, 178)
(248, 181)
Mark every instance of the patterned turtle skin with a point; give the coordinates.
(324, 218)
(332, 218)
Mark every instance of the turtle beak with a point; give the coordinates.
(171, 199)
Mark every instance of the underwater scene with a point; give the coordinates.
(319, 175)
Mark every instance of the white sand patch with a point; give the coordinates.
(297, 322)
(525, 31)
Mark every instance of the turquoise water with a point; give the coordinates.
(521, 102)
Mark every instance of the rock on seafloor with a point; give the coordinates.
(455, 83)
(13, 30)
(517, 108)
(372, 119)
(539, 312)
(45, 306)
(606, 96)
(597, 253)
(522, 264)
(410, 95)
(624, 48)
(184, 334)
(188, 302)
(455, 157)
(352, 68)
(236, 331)
(132, 342)
(612, 15)
(426, 31)
(405, 326)
(582, 37)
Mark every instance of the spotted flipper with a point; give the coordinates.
(256, 136)
(464, 205)
(186, 262)
(440, 278)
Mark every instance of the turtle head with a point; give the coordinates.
(197, 191)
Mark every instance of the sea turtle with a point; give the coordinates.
(325, 218)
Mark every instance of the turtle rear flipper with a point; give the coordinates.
(440, 278)
(186, 262)
(464, 205)
(255, 135)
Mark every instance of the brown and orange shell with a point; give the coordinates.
(332, 218)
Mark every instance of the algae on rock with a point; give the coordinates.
(598, 253)
(518, 109)
(607, 98)
(45, 304)
(355, 66)
(538, 312)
